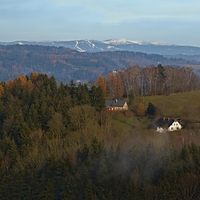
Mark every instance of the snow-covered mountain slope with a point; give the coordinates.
(117, 45)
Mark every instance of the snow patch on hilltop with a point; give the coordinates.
(160, 43)
(124, 42)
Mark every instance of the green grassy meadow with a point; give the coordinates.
(183, 105)
(128, 129)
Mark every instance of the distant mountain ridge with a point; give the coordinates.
(67, 64)
(93, 46)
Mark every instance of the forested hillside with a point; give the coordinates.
(65, 64)
(58, 142)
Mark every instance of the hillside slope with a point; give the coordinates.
(183, 105)
(66, 64)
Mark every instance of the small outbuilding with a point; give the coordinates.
(168, 124)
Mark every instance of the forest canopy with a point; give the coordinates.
(57, 142)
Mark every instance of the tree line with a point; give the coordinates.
(150, 80)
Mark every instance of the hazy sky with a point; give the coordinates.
(169, 21)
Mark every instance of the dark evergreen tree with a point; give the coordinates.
(82, 94)
(97, 98)
(151, 110)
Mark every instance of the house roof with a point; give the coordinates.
(115, 103)
(164, 122)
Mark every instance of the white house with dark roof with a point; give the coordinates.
(168, 124)
(116, 104)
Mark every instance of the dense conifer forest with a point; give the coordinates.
(57, 142)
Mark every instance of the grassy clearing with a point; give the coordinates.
(183, 105)
(128, 129)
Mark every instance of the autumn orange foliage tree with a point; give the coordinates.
(118, 86)
(22, 80)
(141, 110)
(10, 83)
(34, 75)
(1, 91)
(101, 83)
(115, 88)
(110, 85)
